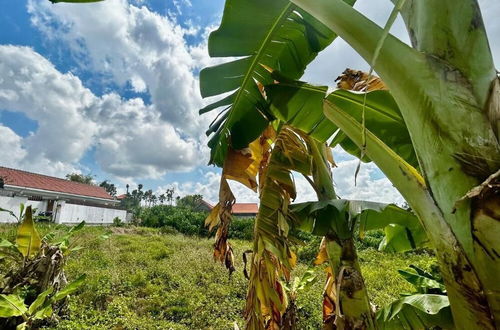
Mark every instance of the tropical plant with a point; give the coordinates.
(36, 278)
(446, 163)
(190, 201)
(109, 187)
(425, 308)
(21, 212)
(13, 305)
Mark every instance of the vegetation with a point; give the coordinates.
(432, 126)
(81, 178)
(34, 288)
(435, 135)
(133, 285)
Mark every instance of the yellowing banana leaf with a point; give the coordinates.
(28, 240)
(272, 258)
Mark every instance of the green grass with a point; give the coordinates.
(142, 279)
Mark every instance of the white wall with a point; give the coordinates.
(13, 203)
(72, 213)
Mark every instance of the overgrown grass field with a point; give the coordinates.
(141, 278)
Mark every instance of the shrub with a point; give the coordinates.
(117, 222)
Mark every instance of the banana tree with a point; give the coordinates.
(284, 38)
(447, 91)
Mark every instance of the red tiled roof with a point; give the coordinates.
(207, 204)
(239, 208)
(121, 196)
(38, 181)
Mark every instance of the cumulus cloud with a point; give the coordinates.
(132, 45)
(57, 102)
(129, 138)
(11, 151)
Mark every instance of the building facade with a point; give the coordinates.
(60, 200)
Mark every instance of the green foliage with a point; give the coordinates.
(142, 279)
(13, 305)
(192, 202)
(315, 217)
(285, 37)
(117, 222)
(427, 307)
(31, 285)
(110, 187)
(81, 178)
(181, 219)
(190, 222)
(241, 228)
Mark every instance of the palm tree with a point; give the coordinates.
(162, 198)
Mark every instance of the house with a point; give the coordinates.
(243, 210)
(64, 201)
(204, 207)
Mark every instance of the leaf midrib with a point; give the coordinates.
(368, 106)
(258, 55)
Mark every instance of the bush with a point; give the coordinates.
(241, 228)
(175, 219)
(182, 220)
(117, 222)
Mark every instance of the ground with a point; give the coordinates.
(141, 278)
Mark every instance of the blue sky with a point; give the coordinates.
(111, 89)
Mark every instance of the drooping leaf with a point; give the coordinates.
(69, 289)
(12, 305)
(422, 281)
(420, 311)
(301, 105)
(281, 37)
(39, 301)
(28, 240)
(272, 258)
(10, 212)
(315, 217)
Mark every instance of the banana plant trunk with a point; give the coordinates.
(346, 304)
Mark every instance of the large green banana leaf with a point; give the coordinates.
(419, 311)
(11, 305)
(263, 34)
(301, 105)
(315, 217)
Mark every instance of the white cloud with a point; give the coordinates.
(56, 101)
(11, 151)
(133, 45)
(129, 138)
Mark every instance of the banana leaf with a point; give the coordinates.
(262, 34)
